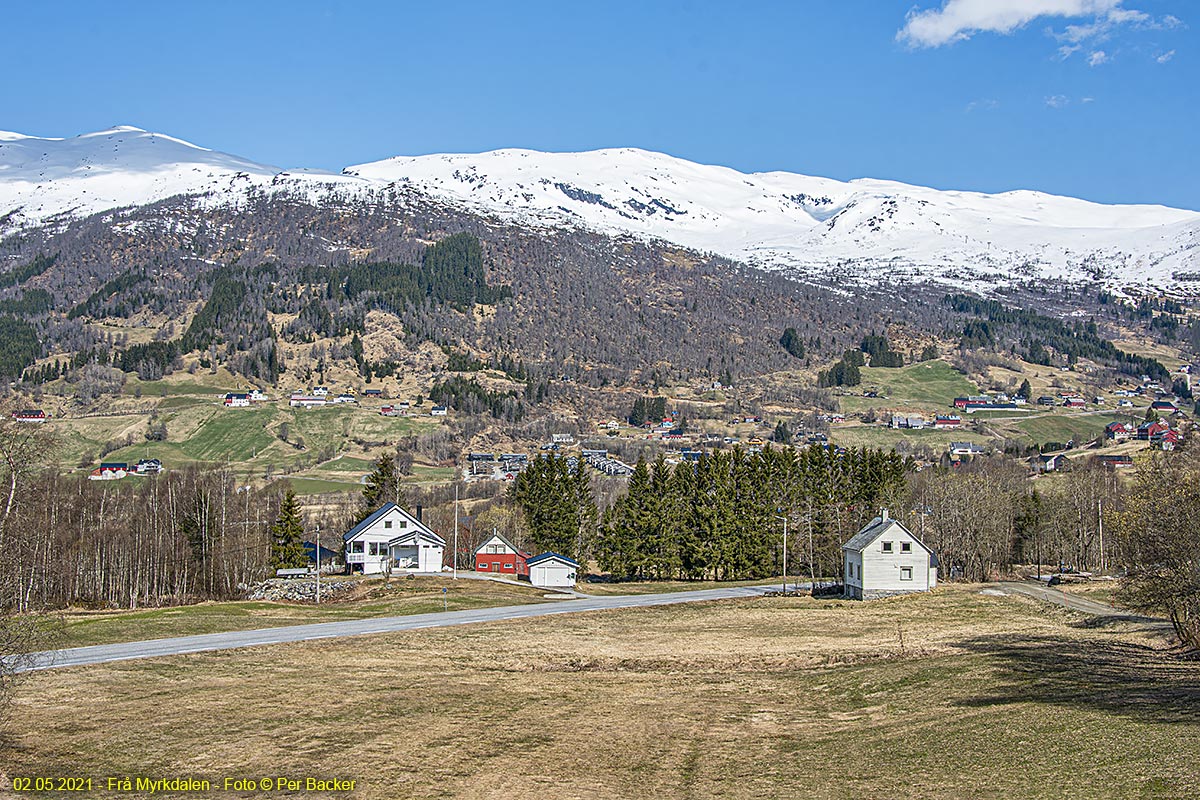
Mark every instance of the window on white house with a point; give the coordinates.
(387, 523)
(906, 547)
(887, 546)
(906, 573)
(356, 547)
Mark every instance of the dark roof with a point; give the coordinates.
(326, 553)
(876, 528)
(549, 555)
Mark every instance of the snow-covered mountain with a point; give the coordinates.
(862, 231)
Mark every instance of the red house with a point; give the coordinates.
(499, 556)
(1147, 431)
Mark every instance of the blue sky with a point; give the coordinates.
(1093, 98)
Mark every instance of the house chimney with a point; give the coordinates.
(419, 513)
(883, 515)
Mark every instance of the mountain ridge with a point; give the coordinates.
(862, 231)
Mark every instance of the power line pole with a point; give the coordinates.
(455, 564)
(318, 563)
(784, 553)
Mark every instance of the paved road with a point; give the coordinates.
(99, 654)
(1075, 602)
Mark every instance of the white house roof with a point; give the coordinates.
(877, 528)
(498, 537)
(383, 511)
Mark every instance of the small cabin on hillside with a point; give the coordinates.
(885, 559)
(392, 540)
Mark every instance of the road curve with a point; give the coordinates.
(125, 651)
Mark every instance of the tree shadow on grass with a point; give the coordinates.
(1117, 677)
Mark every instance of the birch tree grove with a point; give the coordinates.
(179, 537)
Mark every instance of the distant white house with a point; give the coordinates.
(438, 411)
(237, 400)
(306, 400)
(550, 570)
(392, 540)
(885, 559)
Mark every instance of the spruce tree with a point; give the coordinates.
(287, 536)
(383, 486)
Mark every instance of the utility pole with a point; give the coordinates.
(456, 530)
(784, 553)
(318, 563)
(1100, 527)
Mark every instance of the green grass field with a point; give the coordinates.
(202, 431)
(887, 438)
(1063, 427)
(930, 385)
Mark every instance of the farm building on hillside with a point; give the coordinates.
(29, 415)
(499, 556)
(110, 471)
(237, 400)
(550, 570)
(391, 539)
(885, 559)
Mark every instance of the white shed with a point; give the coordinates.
(885, 559)
(391, 539)
(552, 570)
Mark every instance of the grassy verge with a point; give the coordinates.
(949, 695)
(400, 596)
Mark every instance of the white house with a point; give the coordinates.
(391, 539)
(438, 411)
(552, 570)
(885, 559)
(237, 400)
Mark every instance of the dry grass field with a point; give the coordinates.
(954, 695)
(371, 598)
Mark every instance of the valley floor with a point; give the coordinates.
(955, 694)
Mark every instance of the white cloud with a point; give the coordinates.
(1165, 57)
(1058, 101)
(1094, 22)
(983, 105)
(1086, 100)
(957, 20)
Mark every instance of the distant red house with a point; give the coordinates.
(1147, 431)
(499, 556)
(1119, 431)
(29, 415)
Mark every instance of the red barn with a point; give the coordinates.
(499, 556)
